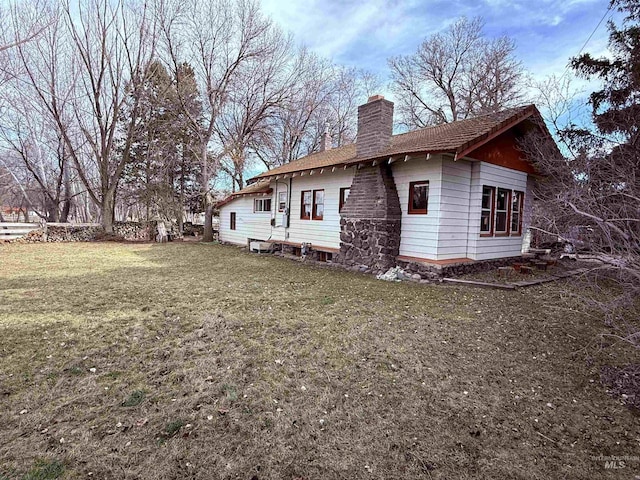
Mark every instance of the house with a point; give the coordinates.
(450, 194)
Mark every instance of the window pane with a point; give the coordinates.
(515, 222)
(267, 205)
(345, 194)
(501, 203)
(486, 197)
(516, 201)
(419, 195)
(305, 208)
(318, 204)
(501, 222)
(485, 221)
(282, 201)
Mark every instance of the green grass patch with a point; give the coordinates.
(135, 399)
(45, 470)
(173, 428)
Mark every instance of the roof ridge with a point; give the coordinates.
(521, 107)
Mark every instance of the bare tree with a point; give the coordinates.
(455, 75)
(325, 97)
(593, 194)
(260, 90)
(82, 70)
(39, 153)
(217, 39)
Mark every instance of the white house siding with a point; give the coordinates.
(450, 229)
(321, 233)
(325, 232)
(419, 233)
(484, 248)
(453, 231)
(248, 224)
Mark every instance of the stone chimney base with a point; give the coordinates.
(372, 242)
(370, 220)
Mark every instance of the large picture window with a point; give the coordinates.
(344, 194)
(418, 197)
(262, 205)
(503, 204)
(486, 217)
(516, 213)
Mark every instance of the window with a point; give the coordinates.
(486, 217)
(282, 201)
(262, 205)
(305, 205)
(232, 220)
(312, 205)
(516, 213)
(325, 256)
(318, 204)
(418, 197)
(344, 194)
(503, 201)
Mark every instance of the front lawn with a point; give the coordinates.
(203, 361)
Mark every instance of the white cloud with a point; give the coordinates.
(366, 33)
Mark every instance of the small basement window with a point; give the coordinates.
(324, 256)
(418, 197)
(262, 205)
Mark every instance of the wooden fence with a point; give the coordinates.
(11, 231)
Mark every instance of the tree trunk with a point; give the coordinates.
(207, 236)
(181, 213)
(108, 204)
(208, 221)
(66, 204)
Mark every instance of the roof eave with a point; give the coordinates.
(498, 130)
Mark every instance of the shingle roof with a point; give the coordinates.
(259, 187)
(328, 158)
(454, 137)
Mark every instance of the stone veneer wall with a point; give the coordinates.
(433, 272)
(371, 219)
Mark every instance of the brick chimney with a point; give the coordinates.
(375, 126)
(325, 142)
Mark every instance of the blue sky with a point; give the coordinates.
(365, 33)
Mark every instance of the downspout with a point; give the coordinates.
(286, 230)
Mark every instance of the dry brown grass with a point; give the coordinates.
(241, 366)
